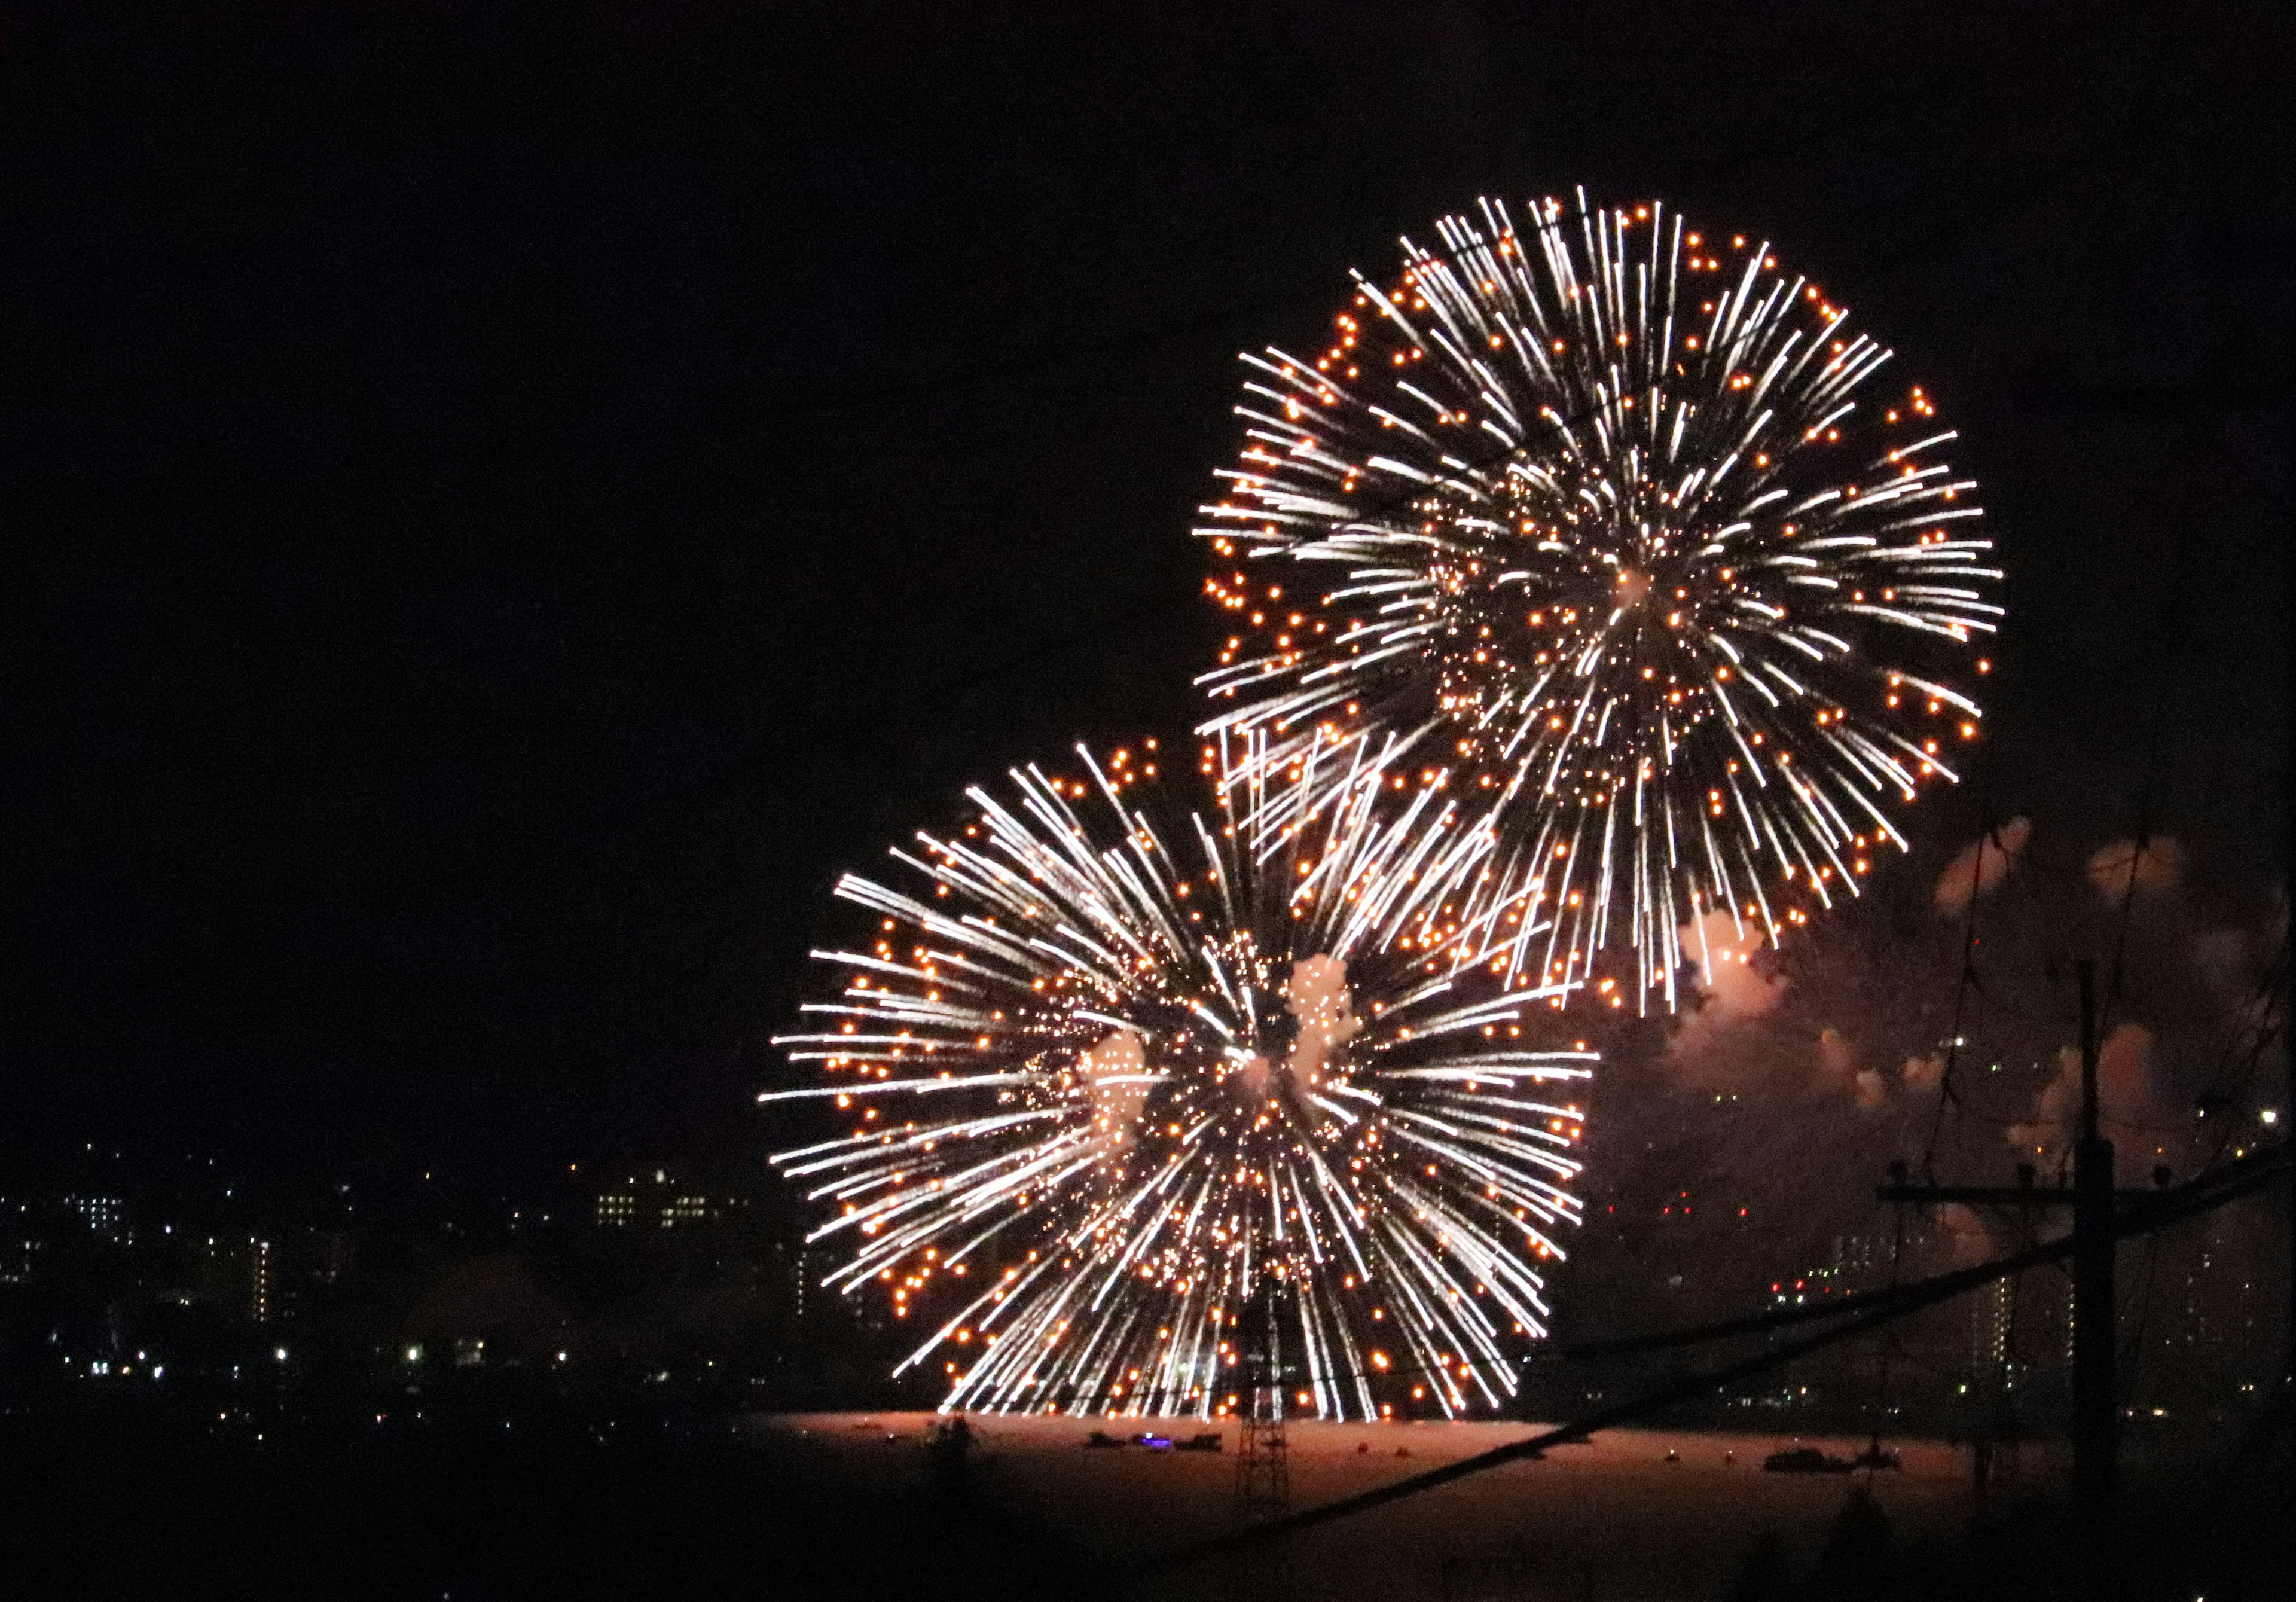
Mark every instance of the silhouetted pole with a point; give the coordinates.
(2096, 1392)
(1263, 1472)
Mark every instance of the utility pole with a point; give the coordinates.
(2097, 1390)
(1263, 1470)
(2094, 1201)
(1263, 1464)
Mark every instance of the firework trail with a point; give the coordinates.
(1613, 530)
(1109, 1083)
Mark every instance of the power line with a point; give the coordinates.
(2199, 1197)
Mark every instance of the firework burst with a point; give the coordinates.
(1613, 530)
(1107, 1087)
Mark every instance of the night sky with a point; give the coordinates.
(504, 504)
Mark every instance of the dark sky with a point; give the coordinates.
(501, 503)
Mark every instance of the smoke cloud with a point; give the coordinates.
(1967, 1238)
(1318, 995)
(1837, 1058)
(1980, 865)
(2154, 866)
(2220, 957)
(1116, 1071)
(1838, 1069)
(1731, 990)
(1733, 987)
(2126, 1114)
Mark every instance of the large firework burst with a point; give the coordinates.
(1108, 1091)
(1613, 529)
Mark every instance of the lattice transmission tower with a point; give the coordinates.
(1263, 1462)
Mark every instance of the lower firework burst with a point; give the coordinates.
(1106, 1094)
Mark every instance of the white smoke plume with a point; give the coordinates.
(2220, 957)
(1980, 865)
(1731, 990)
(2116, 868)
(1837, 1058)
(1318, 998)
(2126, 1114)
(1967, 1238)
(1838, 1069)
(1730, 983)
(1116, 1069)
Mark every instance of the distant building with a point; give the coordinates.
(811, 1298)
(1992, 1317)
(806, 1268)
(106, 1216)
(237, 1274)
(19, 1245)
(1857, 1261)
(662, 1202)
